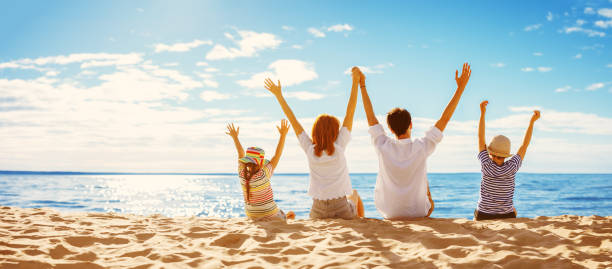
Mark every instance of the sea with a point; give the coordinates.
(219, 195)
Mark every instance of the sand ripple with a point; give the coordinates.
(44, 238)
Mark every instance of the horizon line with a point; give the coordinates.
(25, 172)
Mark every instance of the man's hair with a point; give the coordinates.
(399, 120)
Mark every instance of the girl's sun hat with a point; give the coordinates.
(499, 146)
(254, 155)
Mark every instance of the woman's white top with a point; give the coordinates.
(329, 177)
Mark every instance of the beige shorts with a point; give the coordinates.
(334, 208)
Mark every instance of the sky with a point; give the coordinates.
(148, 86)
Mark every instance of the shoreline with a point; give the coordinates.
(46, 238)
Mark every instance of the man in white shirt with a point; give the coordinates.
(402, 189)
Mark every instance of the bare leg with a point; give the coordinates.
(356, 199)
(430, 201)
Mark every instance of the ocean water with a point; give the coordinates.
(219, 195)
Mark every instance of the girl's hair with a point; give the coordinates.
(250, 170)
(324, 134)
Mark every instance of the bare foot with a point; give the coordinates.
(356, 199)
(290, 215)
(360, 209)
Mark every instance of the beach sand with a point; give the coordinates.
(43, 238)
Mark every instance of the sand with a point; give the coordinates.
(44, 238)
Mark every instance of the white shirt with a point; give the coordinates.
(329, 176)
(401, 185)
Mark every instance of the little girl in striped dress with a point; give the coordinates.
(255, 173)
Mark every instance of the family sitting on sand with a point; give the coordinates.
(402, 188)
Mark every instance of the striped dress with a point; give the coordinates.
(497, 185)
(261, 205)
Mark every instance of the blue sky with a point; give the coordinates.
(148, 86)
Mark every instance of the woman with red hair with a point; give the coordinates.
(330, 184)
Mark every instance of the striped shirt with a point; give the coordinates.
(497, 185)
(260, 204)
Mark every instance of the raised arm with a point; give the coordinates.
(276, 90)
(367, 104)
(482, 145)
(523, 149)
(233, 132)
(450, 108)
(283, 129)
(352, 103)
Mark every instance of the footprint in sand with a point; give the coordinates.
(85, 241)
(144, 236)
(230, 240)
(33, 252)
(139, 253)
(86, 257)
(59, 252)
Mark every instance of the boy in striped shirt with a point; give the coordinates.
(497, 185)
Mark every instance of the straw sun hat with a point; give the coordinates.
(499, 146)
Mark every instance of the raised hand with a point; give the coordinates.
(536, 115)
(361, 77)
(232, 131)
(356, 73)
(465, 76)
(273, 88)
(283, 129)
(483, 106)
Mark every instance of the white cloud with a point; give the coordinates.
(298, 47)
(589, 10)
(377, 69)
(603, 24)
(87, 60)
(563, 89)
(201, 64)
(304, 95)
(609, 66)
(209, 96)
(537, 54)
(249, 44)
(211, 70)
(549, 16)
(287, 28)
(181, 47)
(171, 64)
(580, 22)
(527, 69)
(544, 69)
(340, 28)
(524, 108)
(532, 27)
(51, 73)
(605, 12)
(140, 10)
(316, 33)
(595, 86)
(289, 72)
(498, 64)
(578, 56)
(589, 32)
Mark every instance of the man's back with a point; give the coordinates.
(401, 185)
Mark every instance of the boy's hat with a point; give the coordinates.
(254, 155)
(499, 146)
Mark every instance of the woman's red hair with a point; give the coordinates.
(324, 134)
